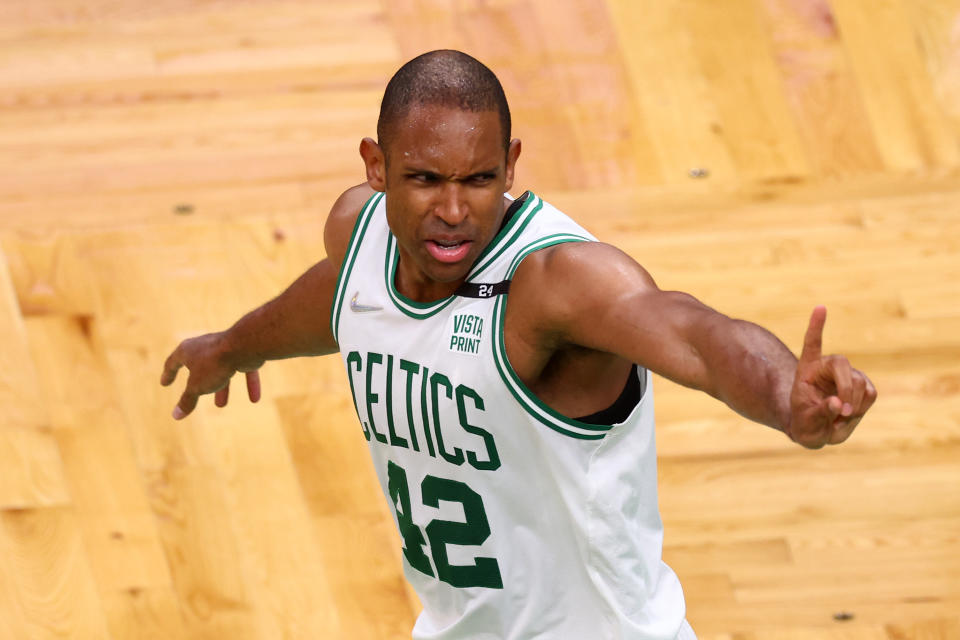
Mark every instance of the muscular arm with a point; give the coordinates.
(738, 362)
(295, 323)
(595, 296)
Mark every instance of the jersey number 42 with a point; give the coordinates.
(484, 572)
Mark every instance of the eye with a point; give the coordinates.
(482, 178)
(424, 177)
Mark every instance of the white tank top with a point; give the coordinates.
(517, 522)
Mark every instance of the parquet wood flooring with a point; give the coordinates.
(166, 166)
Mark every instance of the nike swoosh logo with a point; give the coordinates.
(356, 307)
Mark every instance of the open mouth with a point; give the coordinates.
(448, 251)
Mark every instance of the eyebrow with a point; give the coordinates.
(428, 172)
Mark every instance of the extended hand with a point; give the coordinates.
(209, 373)
(829, 397)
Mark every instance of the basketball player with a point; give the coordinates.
(500, 362)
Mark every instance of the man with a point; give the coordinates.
(499, 359)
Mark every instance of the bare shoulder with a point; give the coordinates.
(581, 269)
(572, 283)
(342, 218)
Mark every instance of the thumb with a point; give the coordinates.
(813, 340)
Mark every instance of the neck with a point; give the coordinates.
(420, 288)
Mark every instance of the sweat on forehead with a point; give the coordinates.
(445, 78)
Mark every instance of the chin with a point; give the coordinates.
(448, 273)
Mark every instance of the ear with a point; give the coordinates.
(513, 152)
(376, 164)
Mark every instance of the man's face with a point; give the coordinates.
(445, 175)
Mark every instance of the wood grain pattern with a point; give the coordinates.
(166, 166)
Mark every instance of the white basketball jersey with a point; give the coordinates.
(517, 522)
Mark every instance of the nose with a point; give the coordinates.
(451, 206)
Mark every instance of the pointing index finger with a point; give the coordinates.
(813, 340)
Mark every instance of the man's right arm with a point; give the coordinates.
(295, 323)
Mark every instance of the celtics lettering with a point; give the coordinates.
(401, 404)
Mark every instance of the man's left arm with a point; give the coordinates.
(602, 299)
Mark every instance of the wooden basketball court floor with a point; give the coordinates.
(167, 165)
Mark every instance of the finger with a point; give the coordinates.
(867, 400)
(813, 340)
(831, 409)
(220, 397)
(814, 427)
(818, 424)
(253, 385)
(170, 369)
(188, 401)
(841, 375)
(858, 392)
(870, 394)
(843, 429)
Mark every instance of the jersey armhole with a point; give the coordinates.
(528, 400)
(349, 258)
(628, 400)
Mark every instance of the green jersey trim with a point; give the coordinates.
(501, 242)
(353, 248)
(508, 235)
(524, 396)
(412, 308)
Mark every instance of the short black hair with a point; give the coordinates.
(447, 78)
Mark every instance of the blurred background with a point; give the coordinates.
(166, 166)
